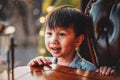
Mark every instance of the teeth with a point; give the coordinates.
(55, 48)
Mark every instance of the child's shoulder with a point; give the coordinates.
(84, 64)
(88, 65)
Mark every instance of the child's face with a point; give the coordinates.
(60, 42)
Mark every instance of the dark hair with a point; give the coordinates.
(64, 16)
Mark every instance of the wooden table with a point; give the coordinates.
(57, 72)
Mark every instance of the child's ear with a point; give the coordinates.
(79, 40)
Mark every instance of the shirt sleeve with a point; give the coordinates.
(80, 63)
(52, 59)
(86, 65)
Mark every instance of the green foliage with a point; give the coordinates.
(42, 49)
(47, 3)
(74, 3)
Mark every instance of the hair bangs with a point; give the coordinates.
(59, 19)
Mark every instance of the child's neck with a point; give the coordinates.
(65, 61)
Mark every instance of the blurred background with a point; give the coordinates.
(27, 17)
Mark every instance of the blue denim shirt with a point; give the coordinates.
(78, 62)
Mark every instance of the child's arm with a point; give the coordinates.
(104, 70)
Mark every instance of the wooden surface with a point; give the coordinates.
(57, 72)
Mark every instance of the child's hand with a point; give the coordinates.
(104, 70)
(39, 61)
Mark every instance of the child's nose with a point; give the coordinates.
(54, 39)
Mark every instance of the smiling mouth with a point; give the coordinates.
(55, 50)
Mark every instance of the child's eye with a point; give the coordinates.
(49, 33)
(62, 34)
